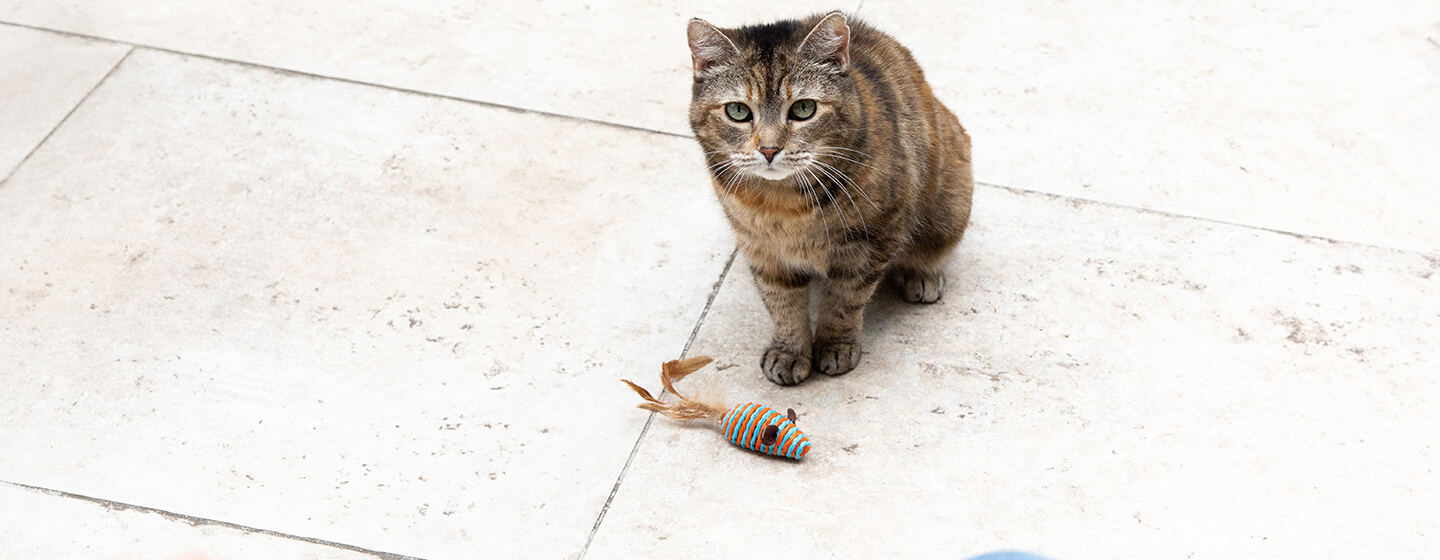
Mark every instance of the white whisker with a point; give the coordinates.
(811, 194)
(863, 154)
(838, 156)
(839, 214)
(858, 214)
(842, 175)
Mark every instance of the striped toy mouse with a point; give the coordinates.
(749, 425)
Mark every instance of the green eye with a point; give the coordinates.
(738, 112)
(802, 109)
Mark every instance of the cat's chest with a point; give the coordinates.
(796, 241)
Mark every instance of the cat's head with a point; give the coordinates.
(769, 100)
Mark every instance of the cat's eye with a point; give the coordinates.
(802, 109)
(738, 112)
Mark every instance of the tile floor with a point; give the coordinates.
(358, 280)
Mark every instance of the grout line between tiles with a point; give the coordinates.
(198, 521)
(277, 69)
(714, 291)
(635, 450)
(1144, 210)
(522, 110)
(63, 120)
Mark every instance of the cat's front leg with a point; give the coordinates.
(787, 297)
(842, 309)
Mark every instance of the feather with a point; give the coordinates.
(686, 408)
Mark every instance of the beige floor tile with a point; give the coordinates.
(1309, 117)
(1099, 382)
(325, 309)
(44, 76)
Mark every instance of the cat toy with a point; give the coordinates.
(749, 425)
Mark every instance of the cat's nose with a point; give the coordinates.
(769, 152)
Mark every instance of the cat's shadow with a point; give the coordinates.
(886, 306)
(887, 310)
(880, 312)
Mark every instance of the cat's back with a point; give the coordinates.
(893, 88)
(883, 63)
(902, 112)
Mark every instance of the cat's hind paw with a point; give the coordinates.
(920, 287)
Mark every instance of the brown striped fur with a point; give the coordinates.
(877, 181)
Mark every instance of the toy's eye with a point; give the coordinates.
(772, 433)
(802, 109)
(738, 112)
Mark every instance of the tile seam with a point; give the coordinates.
(522, 110)
(198, 521)
(1216, 221)
(635, 450)
(66, 118)
(289, 71)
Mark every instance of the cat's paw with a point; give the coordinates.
(835, 358)
(783, 366)
(920, 287)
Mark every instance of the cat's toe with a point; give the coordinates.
(837, 357)
(783, 366)
(924, 288)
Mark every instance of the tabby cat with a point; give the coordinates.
(835, 164)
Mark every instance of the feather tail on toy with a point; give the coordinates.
(687, 408)
(749, 425)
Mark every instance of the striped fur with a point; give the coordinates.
(745, 423)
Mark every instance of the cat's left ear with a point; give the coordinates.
(829, 43)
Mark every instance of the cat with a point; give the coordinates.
(834, 163)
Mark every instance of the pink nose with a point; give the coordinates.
(769, 152)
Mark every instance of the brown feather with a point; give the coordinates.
(686, 408)
(643, 393)
(681, 368)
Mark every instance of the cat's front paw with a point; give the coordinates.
(835, 358)
(783, 366)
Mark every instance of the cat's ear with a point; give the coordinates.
(710, 49)
(829, 43)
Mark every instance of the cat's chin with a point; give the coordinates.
(773, 173)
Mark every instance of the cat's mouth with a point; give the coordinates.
(779, 169)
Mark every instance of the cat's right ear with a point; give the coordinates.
(710, 50)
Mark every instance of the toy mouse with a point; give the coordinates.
(749, 425)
